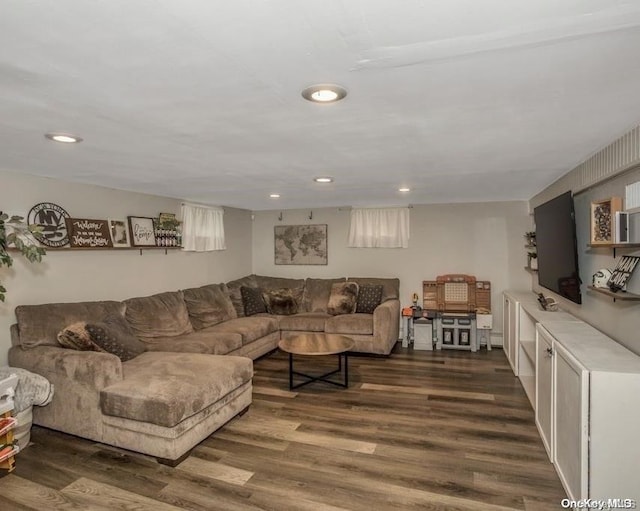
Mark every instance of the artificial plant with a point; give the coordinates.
(19, 237)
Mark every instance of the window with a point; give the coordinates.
(202, 228)
(379, 228)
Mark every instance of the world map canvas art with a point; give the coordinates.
(301, 244)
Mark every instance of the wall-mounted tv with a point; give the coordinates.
(557, 247)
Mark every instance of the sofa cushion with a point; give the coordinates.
(161, 315)
(369, 297)
(390, 287)
(343, 297)
(361, 324)
(280, 301)
(40, 324)
(200, 341)
(252, 301)
(250, 329)
(233, 288)
(166, 388)
(304, 322)
(316, 294)
(208, 305)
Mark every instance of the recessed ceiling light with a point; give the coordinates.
(323, 179)
(404, 189)
(324, 93)
(275, 195)
(63, 137)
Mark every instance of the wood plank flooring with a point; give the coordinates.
(415, 431)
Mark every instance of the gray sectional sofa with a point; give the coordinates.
(195, 373)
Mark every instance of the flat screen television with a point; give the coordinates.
(557, 247)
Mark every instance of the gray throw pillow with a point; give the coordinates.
(343, 298)
(252, 301)
(280, 301)
(119, 329)
(104, 338)
(369, 297)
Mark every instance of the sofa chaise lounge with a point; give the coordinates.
(195, 373)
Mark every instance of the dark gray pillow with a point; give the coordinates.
(109, 336)
(342, 299)
(103, 337)
(252, 301)
(280, 301)
(369, 297)
(120, 330)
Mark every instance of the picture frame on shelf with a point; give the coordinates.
(119, 232)
(603, 214)
(141, 231)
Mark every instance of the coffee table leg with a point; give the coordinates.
(346, 370)
(321, 377)
(290, 371)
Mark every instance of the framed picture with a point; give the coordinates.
(141, 231)
(603, 220)
(300, 244)
(119, 232)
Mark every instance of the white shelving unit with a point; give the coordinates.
(585, 390)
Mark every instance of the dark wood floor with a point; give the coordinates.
(416, 431)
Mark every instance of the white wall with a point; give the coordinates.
(108, 274)
(481, 239)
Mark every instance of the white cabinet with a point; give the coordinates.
(524, 313)
(544, 388)
(571, 422)
(595, 410)
(585, 395)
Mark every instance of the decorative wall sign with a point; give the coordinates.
(141, 230)
(622, 272)
(51, 218)
(300, 244)
(87, 233)
(119, 232)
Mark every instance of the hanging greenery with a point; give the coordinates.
(21, 238)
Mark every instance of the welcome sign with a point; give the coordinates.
(88, 233)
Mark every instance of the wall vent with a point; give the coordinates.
(618, 156)
(632, 196)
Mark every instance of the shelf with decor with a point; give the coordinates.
(620, 295)
(101, 249)
(614, 246)
(532, 255)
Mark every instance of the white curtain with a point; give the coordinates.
(202, 228)
(379, 228)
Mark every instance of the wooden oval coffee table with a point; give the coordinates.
(317, 345)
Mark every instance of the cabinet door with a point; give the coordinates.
(509, 332)
(570, 422)
(544, 388)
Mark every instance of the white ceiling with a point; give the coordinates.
(461, 100)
